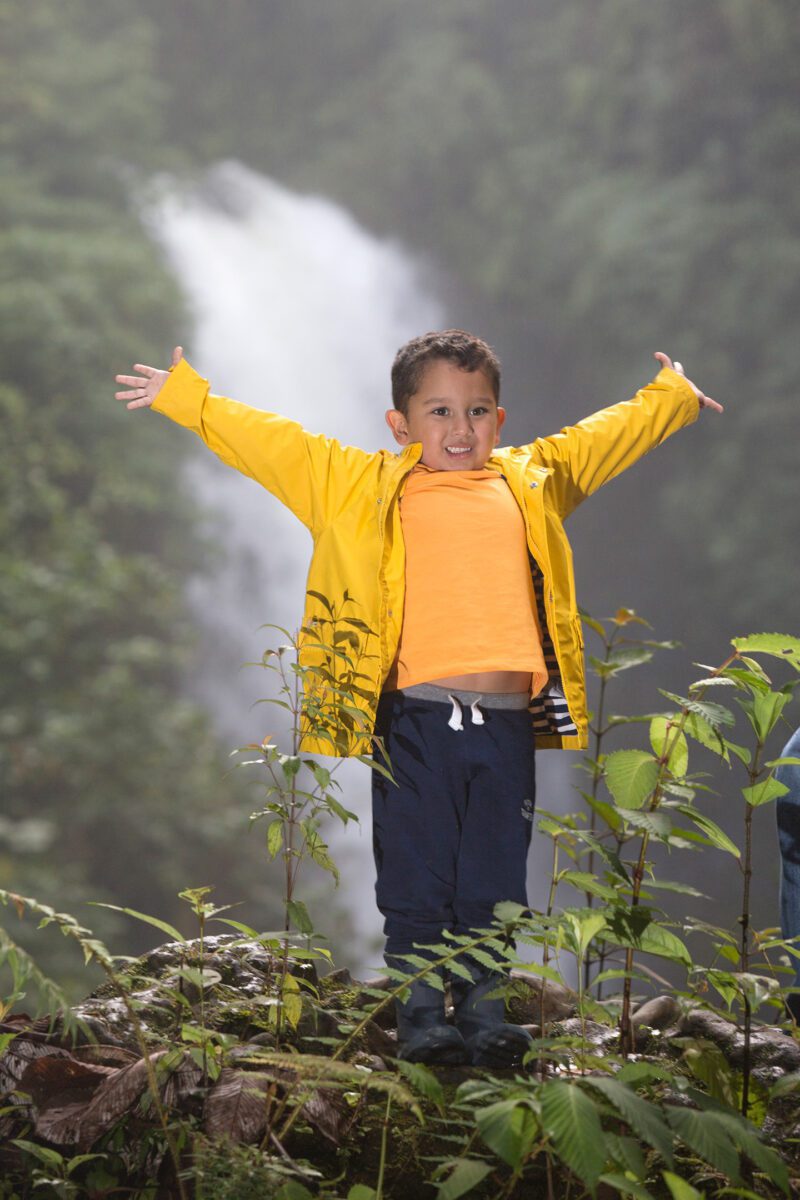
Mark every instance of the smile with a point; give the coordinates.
(458, 449)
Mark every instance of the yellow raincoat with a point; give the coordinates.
(348, 499)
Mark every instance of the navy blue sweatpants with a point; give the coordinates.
(451, 840)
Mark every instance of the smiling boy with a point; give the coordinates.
(456, 554)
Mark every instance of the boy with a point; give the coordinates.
(471, 640)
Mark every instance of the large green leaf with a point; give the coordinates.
(508, 1127)
(707, 1136)
(571, 1120)
(643, 1117)
(467, 1174)
(631, 776)
(746, 1137)
(779, 645)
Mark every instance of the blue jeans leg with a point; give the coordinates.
(788, 816)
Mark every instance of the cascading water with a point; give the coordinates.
(295, 309)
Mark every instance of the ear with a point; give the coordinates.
(501, 419)
(397, 423)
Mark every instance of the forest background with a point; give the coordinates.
(588, 182)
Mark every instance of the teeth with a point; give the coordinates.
(457, 449)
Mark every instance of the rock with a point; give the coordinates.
(530, 992)
(769, 1047)
(341, 977)
(658, 1013)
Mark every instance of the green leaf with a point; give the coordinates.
(778, 645)
(509, 912)
(703, 1133)
(275, 837)
(164, 926)
(467, 1174)
(508, 1128)
(765, 712)
(697, 727)
(711, 830)
(631, 776)
(637, 929)
(50, 1158)
(585, 882)
(298, 915)
(763, 1157)
(715, 714)
(643, 1117)
(623, 1186)
(664, 736)
(761, 793)
(423, 1080)
(627, 1153)
(360, 1191)
(679, 1188)
(571, 1119)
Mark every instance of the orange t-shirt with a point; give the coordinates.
(469, 603)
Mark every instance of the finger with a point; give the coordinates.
(676, 366)
(707, 402)
(664, 359)
(143, 369)
(131, 380)
(142, 402)
(136, 394)
(177, 355)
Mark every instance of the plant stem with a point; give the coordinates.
(384, 1142)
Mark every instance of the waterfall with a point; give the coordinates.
(296, 309)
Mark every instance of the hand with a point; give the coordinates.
(705, 401)
(145, 386)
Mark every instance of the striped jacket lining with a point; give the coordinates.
(549, 709)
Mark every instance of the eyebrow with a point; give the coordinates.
(449, 400)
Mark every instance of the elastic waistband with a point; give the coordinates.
(442, 695)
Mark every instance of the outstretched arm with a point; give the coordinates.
(584, 456)
(312, 475)
(143, 387)
(703, 400)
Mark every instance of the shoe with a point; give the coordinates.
(422, 1033)
(480, 1018)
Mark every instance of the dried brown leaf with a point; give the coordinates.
(239, 1104)
(61, 1089)
(117, 1095)
(19, 1055)
(327, 1111)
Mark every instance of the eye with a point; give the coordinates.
(439, 412)
(480, 410)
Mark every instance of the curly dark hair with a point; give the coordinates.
(466, 351)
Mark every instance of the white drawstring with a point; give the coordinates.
(456, 721)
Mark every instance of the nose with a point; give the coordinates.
(462, 423)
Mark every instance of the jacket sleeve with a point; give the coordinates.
(583, 457)
(312, 475)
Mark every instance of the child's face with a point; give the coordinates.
(454, 414)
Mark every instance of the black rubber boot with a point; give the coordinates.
(422, 1033)
(490, 1042)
